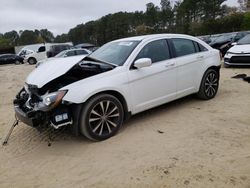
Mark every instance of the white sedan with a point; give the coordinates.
(124, 77)
(239, 54)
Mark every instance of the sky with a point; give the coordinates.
(59, 16)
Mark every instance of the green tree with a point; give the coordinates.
(27, 37)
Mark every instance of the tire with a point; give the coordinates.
(17, 62)
(209, 85)
(32, 61)
(101, 117)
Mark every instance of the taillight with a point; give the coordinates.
(221, 57)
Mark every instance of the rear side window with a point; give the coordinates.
(183, 47)
(202, 48)
(156, 51)
(81, 52)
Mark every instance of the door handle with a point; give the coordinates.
(170, 65)
(200, 57)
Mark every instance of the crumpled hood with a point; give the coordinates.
(51, 70)
(245, 48)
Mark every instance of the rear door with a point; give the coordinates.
(189, 58)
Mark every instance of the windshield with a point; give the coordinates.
(244, 40)
(224, 38)
(115, 52)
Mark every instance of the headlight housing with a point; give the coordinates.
(52, 100)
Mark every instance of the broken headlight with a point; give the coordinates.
(52, 100)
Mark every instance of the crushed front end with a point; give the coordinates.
(39, 109)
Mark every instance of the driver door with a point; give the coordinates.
(154, 85)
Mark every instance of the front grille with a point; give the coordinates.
(240, 59)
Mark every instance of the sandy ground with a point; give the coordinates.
(201, 144)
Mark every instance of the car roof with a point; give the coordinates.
(155, 36)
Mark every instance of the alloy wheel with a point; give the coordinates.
(211, 84)
(104, 118)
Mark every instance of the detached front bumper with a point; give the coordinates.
(26, 117)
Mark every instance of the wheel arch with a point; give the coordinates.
(119, 96)
(213, 67)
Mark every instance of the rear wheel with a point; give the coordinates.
(101, 117)
(32, 61)
(209, 85)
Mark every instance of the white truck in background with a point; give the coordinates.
(37, 52)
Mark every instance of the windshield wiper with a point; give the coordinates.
(88, 58)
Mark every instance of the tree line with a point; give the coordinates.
(194, 17)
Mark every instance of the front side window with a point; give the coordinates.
(157, 51)
(183, 47)
(41, 49)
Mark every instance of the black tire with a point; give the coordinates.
(17, 62)
(209, 85)
(101, 117)
(32, 61)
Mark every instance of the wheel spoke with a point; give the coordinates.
(213, 90)
(94, 119)
(207, 89)
(96, 113)
(102, 107)
(107, 124)
(214, 81)
(107, 107)
(114, 115)
(112, 110)
(100, 133)
(112, 123)
(94, 130)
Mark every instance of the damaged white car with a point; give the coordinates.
(124, 77)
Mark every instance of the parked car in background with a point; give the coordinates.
(10, 59)
(224, 48)
(225, 41)
(222, 40)
(67, 53)
(73, 52)
(124, 77)
(54, 49)
(88, 46)
(42, 51)
(239, 54)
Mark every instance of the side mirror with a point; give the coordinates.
(234, 43)
(143, 62)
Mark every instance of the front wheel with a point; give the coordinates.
(209, 85)
(101, 117)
